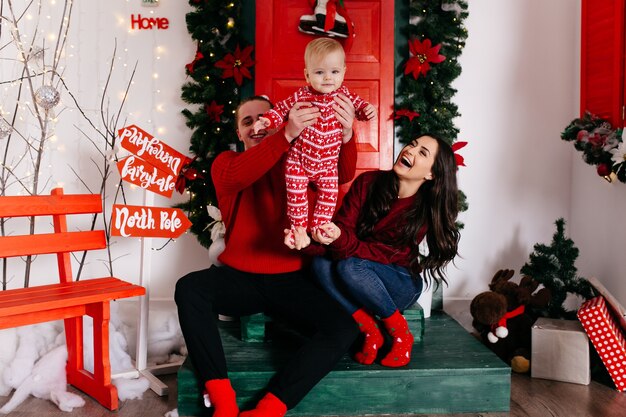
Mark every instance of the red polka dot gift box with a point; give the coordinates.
(607, 338)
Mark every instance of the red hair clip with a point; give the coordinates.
(460, 161)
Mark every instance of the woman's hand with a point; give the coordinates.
(326, 233)
(301, 115)
(344, 111)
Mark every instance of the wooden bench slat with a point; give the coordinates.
(35, 317)
(46, 205)
(71, 295)
(30, 295)
(43, 243)
(32, 292)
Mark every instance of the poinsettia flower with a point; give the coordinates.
(619, 154)
(460, 161)
(192, 64)
(214, 111)
(422, 55)
(596, 139)
(582, 136)
(236, 64)
(405, 113)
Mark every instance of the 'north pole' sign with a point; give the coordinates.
(142, 221)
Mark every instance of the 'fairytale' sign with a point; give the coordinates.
(143, 174)
(142, 221)
(151, 149)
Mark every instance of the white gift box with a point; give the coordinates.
(560, 351)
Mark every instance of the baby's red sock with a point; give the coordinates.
(400, 353)
(223, 398)
(269, 406)
(373, 338)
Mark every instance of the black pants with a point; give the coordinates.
(224, 290)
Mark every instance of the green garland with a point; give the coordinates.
(215, 26)
(601, 145)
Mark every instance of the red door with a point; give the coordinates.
(279, 68)
(602, 59)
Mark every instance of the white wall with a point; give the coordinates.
(518, 90)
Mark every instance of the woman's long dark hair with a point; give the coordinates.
(436, 205)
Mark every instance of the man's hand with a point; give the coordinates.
(301, 115)
(344, 111)
(326, 233)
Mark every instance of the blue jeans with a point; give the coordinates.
(359, 283)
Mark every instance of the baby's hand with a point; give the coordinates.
(326, 233)
(262, 123)
(297, 239)
(370, 112)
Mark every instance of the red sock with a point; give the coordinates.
(222, 397)
(373, 338)
(400, 353)
(269, 406)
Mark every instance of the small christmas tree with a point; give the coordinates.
(553, 266)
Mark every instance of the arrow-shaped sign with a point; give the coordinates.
(150, 149)
(147, 176)
(142, 221)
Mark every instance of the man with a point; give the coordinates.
(259, 273)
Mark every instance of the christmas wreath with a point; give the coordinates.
(221, 72)
(600, 144)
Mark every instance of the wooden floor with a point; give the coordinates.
(529, 398)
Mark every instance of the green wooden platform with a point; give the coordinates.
(450, 372)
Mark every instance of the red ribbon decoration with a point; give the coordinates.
(460, 161)
(192, 64)
(186, 173)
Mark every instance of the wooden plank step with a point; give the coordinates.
(450, 372)
(253, 326)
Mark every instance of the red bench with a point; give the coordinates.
(69, 300)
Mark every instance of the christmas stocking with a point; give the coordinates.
(400, 353)
(222, 398)
(328, 20)
(269, 406)
(373, 338)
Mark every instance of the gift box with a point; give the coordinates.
(560, 351)
(606, 337)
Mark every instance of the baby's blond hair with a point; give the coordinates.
(320, 47)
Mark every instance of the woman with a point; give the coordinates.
(375, 265)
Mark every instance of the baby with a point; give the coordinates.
(313, 156)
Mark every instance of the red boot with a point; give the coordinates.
(223, 398)
(400, 353)
(373, 338)
(269, 406)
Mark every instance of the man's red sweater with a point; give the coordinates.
(250, 188)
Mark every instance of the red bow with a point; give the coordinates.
(460, 161)
(192, 64)
(186, 173)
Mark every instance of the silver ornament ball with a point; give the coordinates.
(47, 96)
(5, 129)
